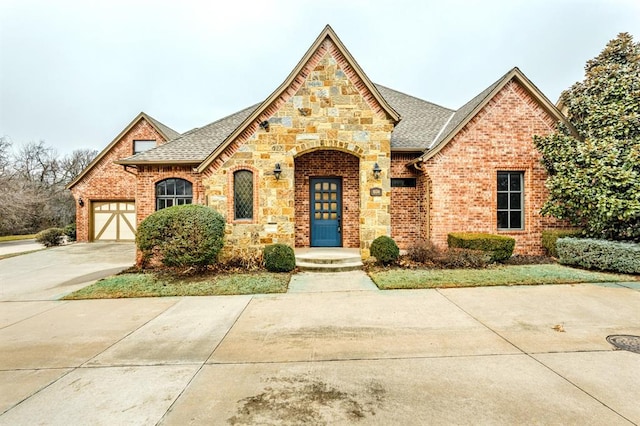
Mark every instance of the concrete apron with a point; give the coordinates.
(462, 356)
(316, 282)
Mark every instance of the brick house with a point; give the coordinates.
(331, 159)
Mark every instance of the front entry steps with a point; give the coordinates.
(328, 259)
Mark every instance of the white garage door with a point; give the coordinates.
(114, 220)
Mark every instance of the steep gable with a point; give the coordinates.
(327, 43)
(468, 111)
(164, 132)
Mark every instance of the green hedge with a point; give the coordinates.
(181, 236)
(279, 258)
(499, 247)
(550, 236)
(385, 250)
(600, 254)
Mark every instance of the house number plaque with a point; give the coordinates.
(375, 192)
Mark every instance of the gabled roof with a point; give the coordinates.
(252, 119)
(471, 108)
(166, 132)
(421, 120)
(194, 146)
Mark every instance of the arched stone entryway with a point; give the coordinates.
(328, 164)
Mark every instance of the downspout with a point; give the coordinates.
(126, 170)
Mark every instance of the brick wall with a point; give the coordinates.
(463, 175)
(328, 164)
(406, 222)
(148, 176)
(108, 181)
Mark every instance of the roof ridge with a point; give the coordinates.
(163, 128)
(414, 97)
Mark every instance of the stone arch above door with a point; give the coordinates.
(335, 145)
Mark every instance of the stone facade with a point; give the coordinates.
(463, 175)
(326, 111)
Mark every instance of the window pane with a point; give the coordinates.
(503, 201)
(243, 194)
(514, 184)
(516, 219)
(503, 220)
(503, 181)
(161, 188)
(179, 187)
(514, 201)
(141, 146)
(171, 186)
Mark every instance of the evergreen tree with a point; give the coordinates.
(594, 175)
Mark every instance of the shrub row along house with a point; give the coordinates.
(331, 159)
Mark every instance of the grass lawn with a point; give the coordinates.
(501, 275)
(17, 237)
(153, 285)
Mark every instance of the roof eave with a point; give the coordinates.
(158, 163)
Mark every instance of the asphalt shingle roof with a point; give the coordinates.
(194, 145)
(420, 123)
(168, 131)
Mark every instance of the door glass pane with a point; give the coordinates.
(318, 215)
(503, 201)
(325, 216)
(516, 219)
(318, 206)
(514, 202)
(325, 206)
(325, 186)
(318, 186)
(334, 196)
(503, 219)
(317, 196)
(325, 196)
(334, 187)
(334, 216)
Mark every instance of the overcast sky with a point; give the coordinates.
(75, 73)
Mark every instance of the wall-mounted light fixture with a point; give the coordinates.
(80, 202)
(264, 125)
(376, 171)
(277, 171)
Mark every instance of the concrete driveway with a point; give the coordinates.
(52, 273)
(501, 355)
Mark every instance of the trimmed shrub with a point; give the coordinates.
(385, 250)
(70, 232)
(498, 246)
(600, 254)
(279, 258)
(50, 237)
(181, 236)
(423, 252)
(550, 236)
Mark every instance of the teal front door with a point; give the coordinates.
(326, 212)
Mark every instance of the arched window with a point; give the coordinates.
(173, 192)
(243, 194)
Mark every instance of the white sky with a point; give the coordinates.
(75, 73)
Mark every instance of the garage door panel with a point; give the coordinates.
(114, 220)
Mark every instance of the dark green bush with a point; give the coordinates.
(181, 236)
(385, 250)
(499, 247)
(279, 258)
(50, 237)
(70, 232)
(600, 254)
(550, 236)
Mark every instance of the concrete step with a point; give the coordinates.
(328, 267)
(328, 259)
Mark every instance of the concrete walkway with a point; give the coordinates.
(19, 246)
(500, 355)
